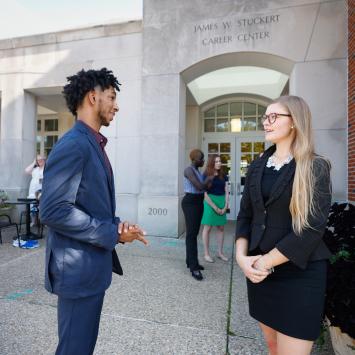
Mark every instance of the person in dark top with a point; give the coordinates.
(280, 225)
(192, 206)
(215, 206)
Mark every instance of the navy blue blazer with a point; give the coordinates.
(78, 206)
(269, 225)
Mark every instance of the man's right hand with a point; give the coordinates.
(128, 233)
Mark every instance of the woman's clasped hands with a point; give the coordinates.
(254, 267)
(221, 211)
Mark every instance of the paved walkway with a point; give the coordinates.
(155, 308)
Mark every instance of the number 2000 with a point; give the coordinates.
(157, 211)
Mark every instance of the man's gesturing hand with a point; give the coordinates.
(129, 232)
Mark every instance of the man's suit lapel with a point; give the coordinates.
(113, 198)
(108, 173)
(101, 157)
(116, 265)
(100, 154)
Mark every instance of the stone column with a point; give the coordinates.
(18, 136)
(193, 131)
(162, 154)
(323, 85)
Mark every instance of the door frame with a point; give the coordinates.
(234, 139)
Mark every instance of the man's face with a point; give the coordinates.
(107, 105)
(200, 161)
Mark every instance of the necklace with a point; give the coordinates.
(272, 162)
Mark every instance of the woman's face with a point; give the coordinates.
(281, 129)
(217, 163)
(41, 161)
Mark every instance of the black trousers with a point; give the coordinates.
(192, 206)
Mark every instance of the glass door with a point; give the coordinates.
(247, 149)
(236, 154)
(224, 147)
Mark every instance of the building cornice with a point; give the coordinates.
(77, 34)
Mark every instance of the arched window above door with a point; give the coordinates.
(238, 115)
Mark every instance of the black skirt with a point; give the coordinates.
(291, 300)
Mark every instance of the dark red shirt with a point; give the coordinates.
(101, 141)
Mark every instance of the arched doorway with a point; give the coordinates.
(228, 103)
(232, 129)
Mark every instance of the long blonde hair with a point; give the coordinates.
(302, 205)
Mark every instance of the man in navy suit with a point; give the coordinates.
(78, 206)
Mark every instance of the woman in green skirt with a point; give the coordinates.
(215, 206)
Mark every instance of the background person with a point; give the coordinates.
(282, 218)
(192, 206)
(215, 206)
(35, 169)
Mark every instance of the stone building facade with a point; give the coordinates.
(194, 74)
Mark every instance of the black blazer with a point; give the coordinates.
(269, 225)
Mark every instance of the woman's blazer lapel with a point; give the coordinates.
(282, 182)
(279, 186)
(256, 175)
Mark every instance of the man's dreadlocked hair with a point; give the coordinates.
(83, 82)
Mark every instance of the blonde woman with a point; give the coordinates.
(283, 214)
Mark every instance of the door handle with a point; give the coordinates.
(238, 189)
(231, 191)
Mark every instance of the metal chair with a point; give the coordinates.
(22, 215)
(5, 222)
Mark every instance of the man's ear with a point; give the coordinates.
(92, 97)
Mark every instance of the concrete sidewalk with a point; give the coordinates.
(156, 307)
